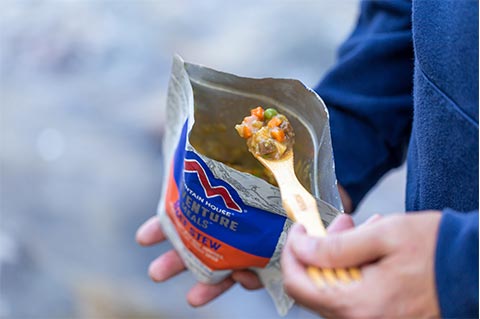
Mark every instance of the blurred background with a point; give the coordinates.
(82, 94)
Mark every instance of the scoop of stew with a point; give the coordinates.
(268, 133)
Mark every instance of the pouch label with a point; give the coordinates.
(212, 220)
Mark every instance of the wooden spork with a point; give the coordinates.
(301, 207)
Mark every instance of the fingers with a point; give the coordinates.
(170, 264)
(343, 222)
(302, 288)
(248, 279)
(150, 232)
(297, 284)
(372, 219)
(340, 223)
(332, 301)
(201, 293)
(349, 248)
(166, 266)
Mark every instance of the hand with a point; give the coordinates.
(170, 264)
(397, 258)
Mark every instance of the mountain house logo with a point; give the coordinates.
(193, 166)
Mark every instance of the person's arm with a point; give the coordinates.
(369, 96)
(456, 264)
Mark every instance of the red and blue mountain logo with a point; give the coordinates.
(193, 166)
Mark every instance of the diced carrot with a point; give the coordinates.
(278, 134)
(258, 112)
(249, 119)
(247, 132)
(274, 122)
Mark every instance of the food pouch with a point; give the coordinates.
(216, 206)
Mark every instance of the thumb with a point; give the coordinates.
(340, 223)
(352, 247)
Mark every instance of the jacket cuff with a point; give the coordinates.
(456, 264)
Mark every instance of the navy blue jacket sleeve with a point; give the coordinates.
(369, 96)
(456, 264)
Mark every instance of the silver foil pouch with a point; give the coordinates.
(219, 207)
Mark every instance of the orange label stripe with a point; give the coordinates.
(216, 254)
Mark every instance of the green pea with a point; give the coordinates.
(269, 113)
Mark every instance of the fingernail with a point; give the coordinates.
(138, 238)
(155, 273)
(140, 233)
(304, 245)
(146, 229)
